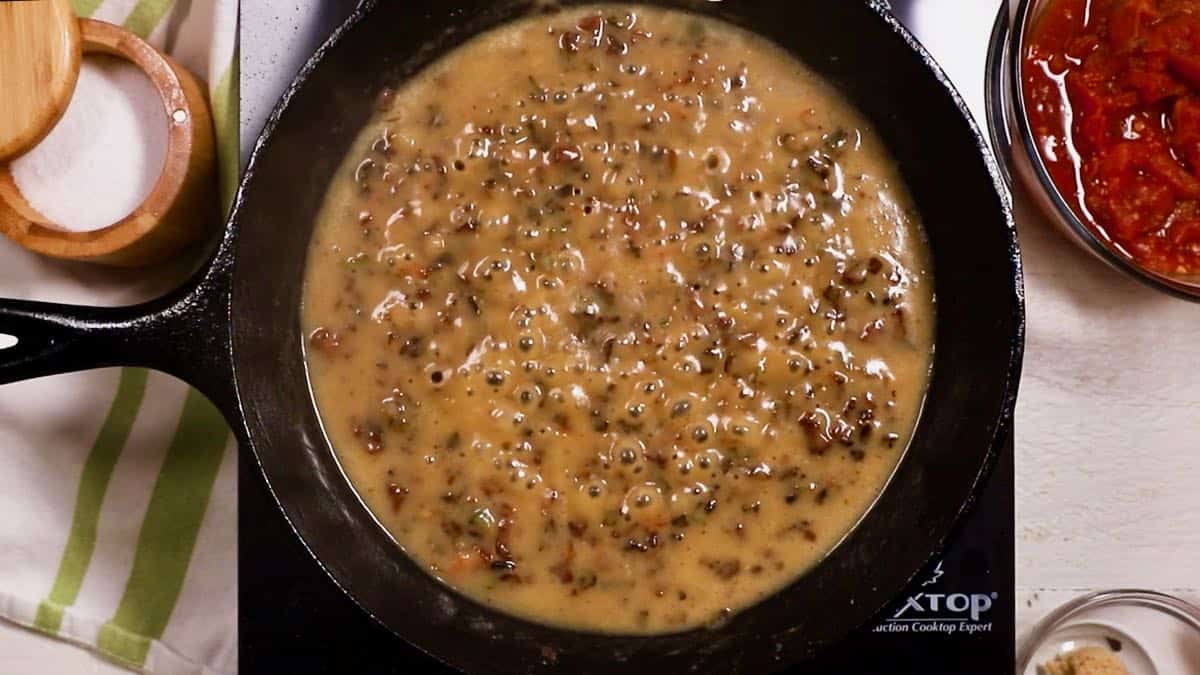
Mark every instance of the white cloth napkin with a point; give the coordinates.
(118, 487)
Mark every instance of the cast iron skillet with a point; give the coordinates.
(233, 331)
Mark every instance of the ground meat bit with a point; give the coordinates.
(411, 347)
(396, 495)
(563, 572)
(562, 154)
(370, 435)
(725, 568)
(325, 340)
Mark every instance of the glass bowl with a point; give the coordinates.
(1013, 139)
(1152, 633)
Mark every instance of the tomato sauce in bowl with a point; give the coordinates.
(1112, 91)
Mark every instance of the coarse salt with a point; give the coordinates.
(103, 157)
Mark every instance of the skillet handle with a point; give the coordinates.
(185, 334)
(52, 338)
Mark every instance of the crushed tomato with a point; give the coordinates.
(1112, 89)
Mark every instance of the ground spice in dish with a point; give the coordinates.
(623, 338)
(1112, 89)
(1090, 660)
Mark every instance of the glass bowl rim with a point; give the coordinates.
(1179, 609)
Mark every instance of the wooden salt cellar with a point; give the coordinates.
(181, 206)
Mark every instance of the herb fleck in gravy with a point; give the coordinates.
(618, 318)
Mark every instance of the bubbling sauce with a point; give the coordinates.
(618, 318)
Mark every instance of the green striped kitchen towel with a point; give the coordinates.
(118, 487)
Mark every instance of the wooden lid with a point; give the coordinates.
(39, 64)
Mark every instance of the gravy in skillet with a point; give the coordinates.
(618, 318)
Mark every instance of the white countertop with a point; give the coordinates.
(1108, 418)
(1108, 414)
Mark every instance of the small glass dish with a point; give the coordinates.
(1013, 140)
(1151, 633)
